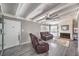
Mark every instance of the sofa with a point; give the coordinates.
(46, 35)
(39, 45)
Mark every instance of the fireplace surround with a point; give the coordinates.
(65, 35)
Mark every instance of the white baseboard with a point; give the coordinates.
(6, 47)
(18, 44)
(25, 43)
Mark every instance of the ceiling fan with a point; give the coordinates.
(51, 17)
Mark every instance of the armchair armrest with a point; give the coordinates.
(43, 46)
(41, 41)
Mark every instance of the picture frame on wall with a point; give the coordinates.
(65, 27)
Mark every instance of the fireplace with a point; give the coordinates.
(65, 35)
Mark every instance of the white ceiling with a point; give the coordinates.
(36, 11)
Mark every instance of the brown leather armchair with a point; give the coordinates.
(46, 35)
(39, 46)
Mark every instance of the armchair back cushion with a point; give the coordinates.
(39, 47)
(34, 40)
(46, 35)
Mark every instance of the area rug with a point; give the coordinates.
(64, 42)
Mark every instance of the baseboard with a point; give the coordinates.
(6, 47)
(25, 43)
(18, 45)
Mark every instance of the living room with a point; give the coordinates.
(48, 32)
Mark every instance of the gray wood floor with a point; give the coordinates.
(56, 50)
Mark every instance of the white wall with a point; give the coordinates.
(29, 27)
(67, 21)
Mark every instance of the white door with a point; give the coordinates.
(12, 31)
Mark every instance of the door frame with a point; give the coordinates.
(2, 35)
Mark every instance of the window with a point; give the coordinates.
(44, 27)
(54, 30)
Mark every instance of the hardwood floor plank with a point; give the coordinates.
(55, 49)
